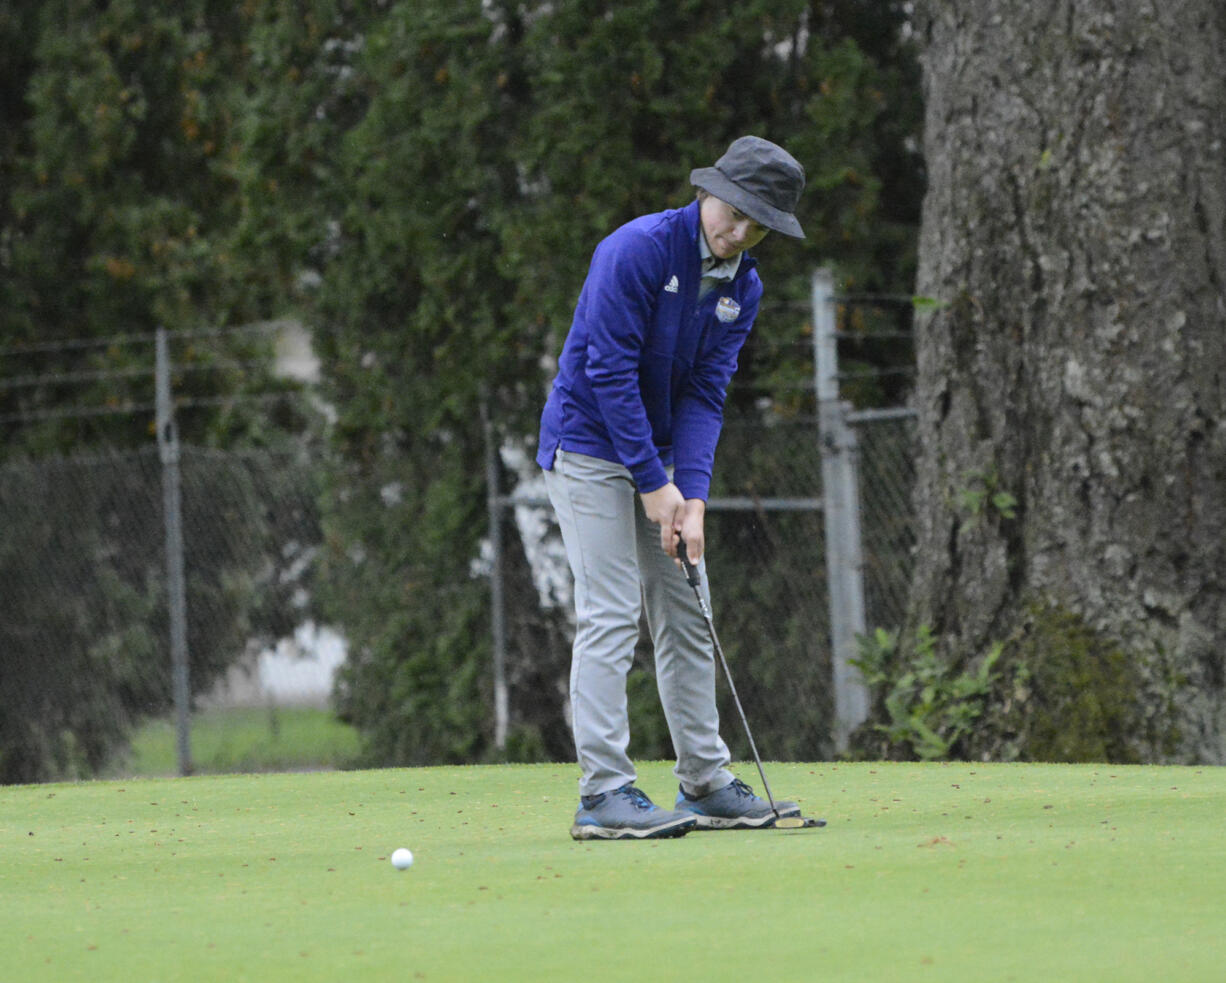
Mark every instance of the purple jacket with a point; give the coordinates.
(644, 370)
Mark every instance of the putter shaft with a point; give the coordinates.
(692, 577)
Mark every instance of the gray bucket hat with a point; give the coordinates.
(758, 178)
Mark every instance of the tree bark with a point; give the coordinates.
(1070, 389)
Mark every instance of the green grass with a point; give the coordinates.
(257, 739)
(926, 872)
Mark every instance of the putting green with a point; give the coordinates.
(940, 872)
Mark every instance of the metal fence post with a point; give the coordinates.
(176, 589)
(840, 494)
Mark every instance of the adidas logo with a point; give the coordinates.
(672, 286)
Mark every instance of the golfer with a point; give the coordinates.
(635, 412)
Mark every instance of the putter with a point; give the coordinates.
(691, 575)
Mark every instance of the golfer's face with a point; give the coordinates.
(728, 231)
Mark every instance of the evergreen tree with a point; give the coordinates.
(117, 214)
(479, 152)
(424, 182)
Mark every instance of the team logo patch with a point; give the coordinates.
(727, 309)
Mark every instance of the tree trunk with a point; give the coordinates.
(1072, 474)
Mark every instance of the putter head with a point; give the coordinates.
(798, 822)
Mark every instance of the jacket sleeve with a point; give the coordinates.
(620, 296)
(700, 411)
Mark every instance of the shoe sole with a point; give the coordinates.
(743, 822)
(678, 827)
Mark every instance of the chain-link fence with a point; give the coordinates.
(887, 476)
(85, 604)
(83, 573)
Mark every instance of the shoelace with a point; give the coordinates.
(638, 797)
(742, 789)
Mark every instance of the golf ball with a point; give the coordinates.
(402, 859)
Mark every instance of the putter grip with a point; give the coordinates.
(691, 571)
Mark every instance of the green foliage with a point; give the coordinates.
(981, 489)
(929, 710)
(119, 213)
(455, 189)
(423, 182)
(118, 200)
(1054, 690)
(126, 183)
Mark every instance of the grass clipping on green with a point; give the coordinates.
(932, 871)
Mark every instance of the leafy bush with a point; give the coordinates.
(929, 709)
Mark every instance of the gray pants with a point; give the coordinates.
(618, 565)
